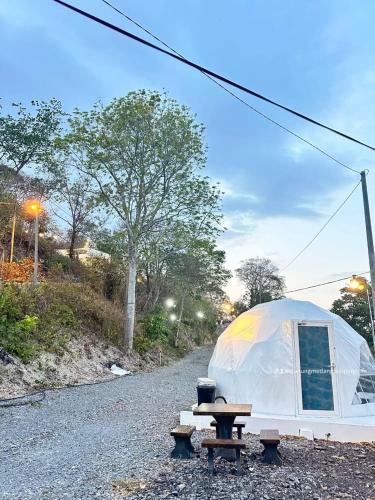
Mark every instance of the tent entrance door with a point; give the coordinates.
(315, 368)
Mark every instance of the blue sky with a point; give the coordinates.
(316, 57)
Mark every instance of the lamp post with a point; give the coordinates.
(34, 208)
(357, 284)
(370, 241)
(14, 219)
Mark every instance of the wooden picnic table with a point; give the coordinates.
(225, 415)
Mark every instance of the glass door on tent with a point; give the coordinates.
(315, 363)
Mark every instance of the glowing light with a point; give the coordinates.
(172, 317)
(354, 283)
(357, 283)
(33, 207)
(227, 307)
(169, 303)
(200, 315)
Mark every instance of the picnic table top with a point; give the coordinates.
(228, 410)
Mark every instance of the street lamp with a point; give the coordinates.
(170, 303)
(172, 317)
(227, 307)
(200, 315)
(357, 284)
(35, 208)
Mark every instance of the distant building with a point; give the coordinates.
(85, 253)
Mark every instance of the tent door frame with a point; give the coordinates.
(332, 353)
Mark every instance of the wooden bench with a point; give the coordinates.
(183, 447)
(234, 444)
(270, 439)
(238, 425)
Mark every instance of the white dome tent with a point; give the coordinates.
(304, 370)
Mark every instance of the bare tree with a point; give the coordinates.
(74, 193)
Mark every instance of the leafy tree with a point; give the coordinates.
(262, 281)
(196, 274)
(354, 309)
(179, 241)
(28, 139)
(239, 307)
(144, 152)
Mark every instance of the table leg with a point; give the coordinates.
(225, 431)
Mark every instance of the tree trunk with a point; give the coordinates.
(155, 295)
(179, 322)
(148, 290)
(72, 243)
(130, 300)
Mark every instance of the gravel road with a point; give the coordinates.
(79, 441)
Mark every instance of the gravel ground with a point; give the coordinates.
(78, 441)
(311, 470)
(112, 441)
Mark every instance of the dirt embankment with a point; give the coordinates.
(82, 361)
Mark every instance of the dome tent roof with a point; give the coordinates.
(256, 359)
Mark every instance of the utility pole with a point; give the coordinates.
(35, 208)
(370, 241)
(36, 250)
(371, 317)
(13, 235)
(13, 229)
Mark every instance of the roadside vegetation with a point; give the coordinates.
(127, 236)
(127, 182)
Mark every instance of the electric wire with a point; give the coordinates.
(12, 402)
(211, 73)
(325, 283)
(213, 76)
(322, 228)
(233, 94)
(25, 400)
(257, 111)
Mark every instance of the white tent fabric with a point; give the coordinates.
(254, 360)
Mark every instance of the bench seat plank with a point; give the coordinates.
(210, 444)
(270, 436)
(223, 443)
(183, 430)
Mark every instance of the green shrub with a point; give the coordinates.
(17, 337)
(62, 314)
(9, 307)
(141, 344)
(156, 326)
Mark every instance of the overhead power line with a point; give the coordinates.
(325, 283)
(211, 73)
(263, 115)
(322, 228)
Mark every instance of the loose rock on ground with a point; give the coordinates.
(311, 470)
(112, 441)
